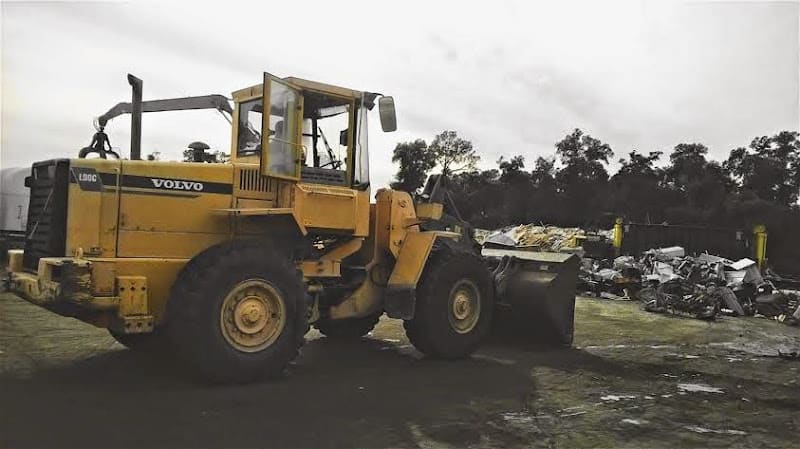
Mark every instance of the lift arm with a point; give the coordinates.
(218, 102)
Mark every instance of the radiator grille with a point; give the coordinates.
(251, 179)
(46, 232)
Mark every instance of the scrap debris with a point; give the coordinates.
(665, 280)
(540, 238)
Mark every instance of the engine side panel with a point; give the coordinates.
(167, 209)
(92, 208)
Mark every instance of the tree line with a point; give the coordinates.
(756, 184)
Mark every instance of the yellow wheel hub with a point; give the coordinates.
(253, 315)
(465, 306)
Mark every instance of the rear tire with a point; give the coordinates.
(349, 328)
(453, 311)
(237, 312)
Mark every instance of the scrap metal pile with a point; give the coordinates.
(540, 238)
(666, 280)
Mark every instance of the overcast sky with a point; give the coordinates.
(513, 77)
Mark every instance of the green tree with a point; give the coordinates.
(479, 198)
(544, 202)
(415, 160)
(699, 186)
(511, 170)
(516, 188)
(543, 175)
(579, 146)
(452, 153)
(770, 168)
(639, 164)
(583, 178)
(636, 192)
(687, 165)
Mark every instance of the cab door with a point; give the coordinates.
(281, 129)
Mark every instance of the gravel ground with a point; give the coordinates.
(633, 379)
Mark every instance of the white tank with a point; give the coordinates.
(14, 198)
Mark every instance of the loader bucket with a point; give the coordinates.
(534, 294)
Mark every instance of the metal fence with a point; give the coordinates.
(730, 243)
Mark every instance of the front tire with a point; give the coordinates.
(237, 312)
(454, 304)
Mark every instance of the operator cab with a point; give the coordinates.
(314, 132)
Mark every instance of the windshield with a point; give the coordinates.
(325, 134)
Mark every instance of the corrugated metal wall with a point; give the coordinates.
(730, 243)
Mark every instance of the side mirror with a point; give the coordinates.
(343, 137)
(387, 113)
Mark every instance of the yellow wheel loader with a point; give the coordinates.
(227, 264)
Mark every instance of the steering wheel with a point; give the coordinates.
(334, 164)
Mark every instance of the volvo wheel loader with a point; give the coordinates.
(228, 264)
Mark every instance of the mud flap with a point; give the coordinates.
(400, 296)
(535, 295)
(400, 302)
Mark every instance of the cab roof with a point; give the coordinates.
(303, 84)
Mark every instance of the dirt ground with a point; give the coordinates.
(633, 379)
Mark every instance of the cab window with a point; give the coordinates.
(250, 119)
(327, 122)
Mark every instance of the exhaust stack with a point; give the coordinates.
(136, 117)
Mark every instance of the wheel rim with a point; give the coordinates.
(464, 306)
(253, 315)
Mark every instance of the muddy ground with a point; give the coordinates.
(634, 379)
